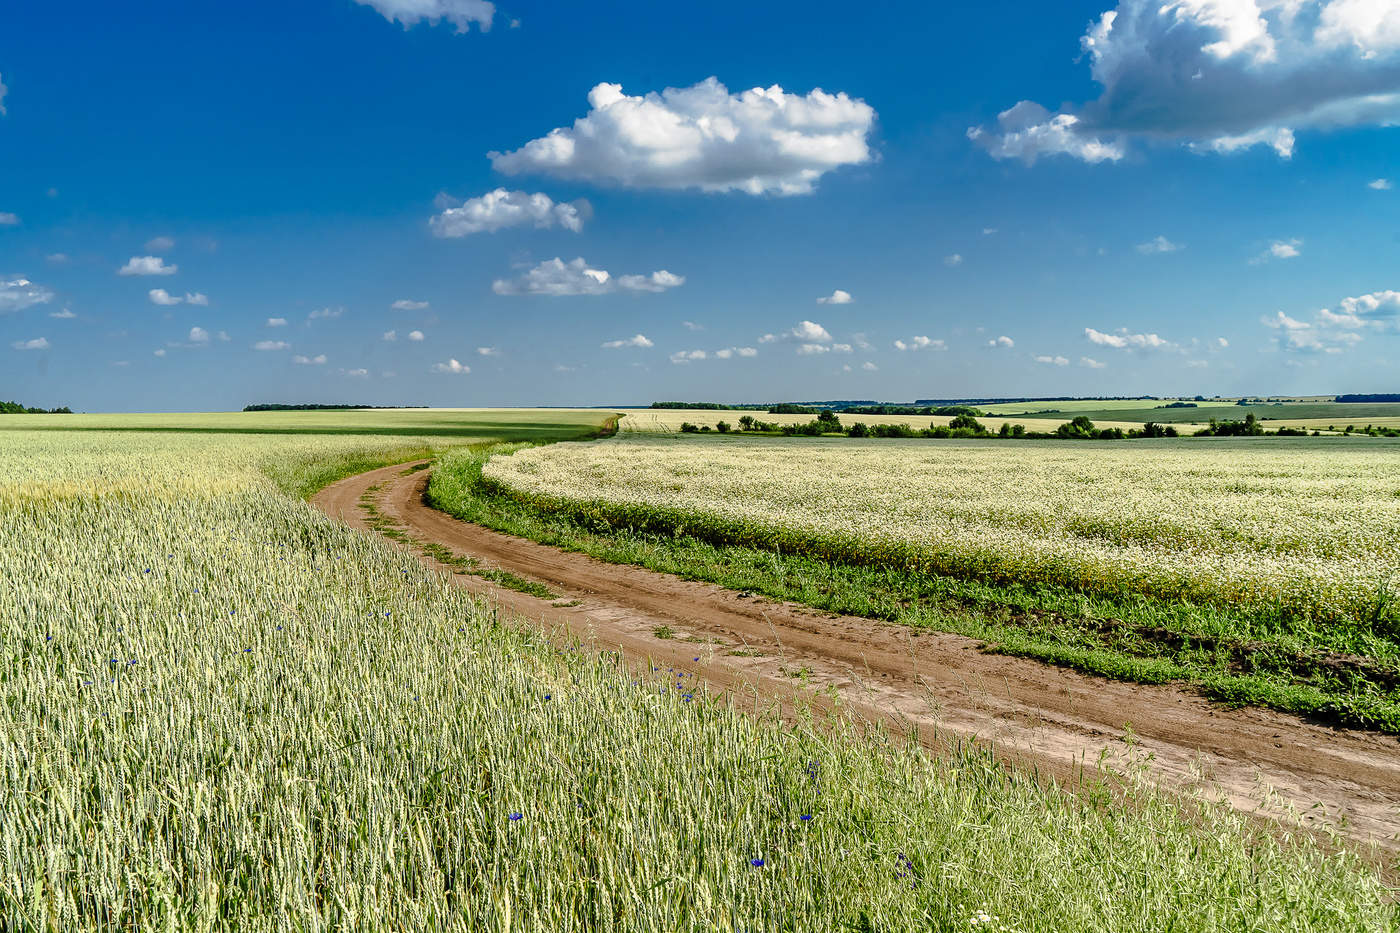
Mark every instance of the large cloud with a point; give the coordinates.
(759, 141)
(501, 208)
(460, 13)
(18, 293)
(559, 278)
(1334, 330)
(1219, 75)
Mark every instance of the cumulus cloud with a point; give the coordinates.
(317, 360)
(451, 366)
(686, 356)
(1002, 342)
(8, 219)
(1380, 184)
(147, 265)
(276, 322)
(558, 278)
(1158, 245)
(196, 298)
(160, 244)
(64, 315)
(759, 141)
(1090, 363)
(1221, 343)
(416, 336)
(390, 336)
(1279, 249)
(692, 326)
(729, 352)
(638, 340)
(18, 293)
(160, 352)
(1333, 330)
(498, 209)
(198, 336)
(460, 13)
(355, 373)
(1220, 76)
(408, 304)
(837, 297)
(920, 343)
(38, 343)
(488, 351)
(1123, 340)
(269, 345)
(160, 296)
(806, 332)
(325, 314)
(869, 367)
(1052, 360)
(953, 259)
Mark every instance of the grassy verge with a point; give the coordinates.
(1234, 657)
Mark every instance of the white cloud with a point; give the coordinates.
(804, 332)
(1197, 364)
(557, 278)
(837, 297)
(224, 337)
(1123, 340)
(920, 343)
(812, 349)
(760, 141)
(408, 304)
(685, 356)
(276, 322)
(196, 298)
(147, 265)
(1158, 245)
(637, 340)
(390, 336)
(692, 326)
(56, 259)
(64, 315)
(1221, 342)
(488, 351)
(729, 352)
(1053, 360)
(325, 314)
(1002, 342)
(498, 209)
(989, 231)
(451, 366)
(1220, 76)
(869, 367)
(1090, 363)
(355, 373)
(38, 343)
(1333, 331)
(317, 360)
(1279, 249)
(160, 244)
(1281, 320)
(198, 335)
(460, 13)
(19, 293)
(8, 219)
(954, 259)
(416, 336)
(1380, 184)
(160, 352)
(268, 345)
(160, 296)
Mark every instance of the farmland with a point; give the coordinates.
(1242, 566)
(223, 710)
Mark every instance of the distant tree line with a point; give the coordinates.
(1376, 397)
(15, 408)
(281, 406)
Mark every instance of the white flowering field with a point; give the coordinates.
(1311, 526)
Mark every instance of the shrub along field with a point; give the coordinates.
(222, 710)
(1261, 569)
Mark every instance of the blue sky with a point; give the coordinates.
(1017, 199)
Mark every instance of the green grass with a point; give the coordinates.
(1338, 674)
(221, 710)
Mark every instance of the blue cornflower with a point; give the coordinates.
(515, 817)
(805, 817)
(697, 659)
(756, 862)
(246, 650)
(548, 695)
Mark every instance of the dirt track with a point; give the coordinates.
(943, 686)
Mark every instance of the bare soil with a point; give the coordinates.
(942, 688)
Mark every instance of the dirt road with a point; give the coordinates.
(941, 686)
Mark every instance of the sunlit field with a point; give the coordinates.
(224, 711)
(669, 420)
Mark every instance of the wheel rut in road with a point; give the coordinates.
(941, 687)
